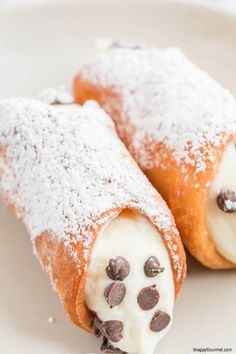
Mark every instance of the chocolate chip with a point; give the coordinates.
(114, 293)
(159, 321)
(96, 326)
(148, 298)
(109, 329)
(108, 348)
(118, 268)
(120, 44)
(113, 330)
(226, 200)
(152, 267)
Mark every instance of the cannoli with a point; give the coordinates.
(180, 125)
(103, 234)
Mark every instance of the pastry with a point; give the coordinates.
(105, 237)
(180, 125)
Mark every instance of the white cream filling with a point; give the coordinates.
(133, 237)
(222, 226)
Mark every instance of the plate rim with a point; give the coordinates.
(213, 6)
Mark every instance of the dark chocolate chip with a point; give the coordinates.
(226, 200)
(96, 326)
(120, 44)
(118, 268)
(152, 267)
(159, 321)
(113, 330)
(109, 329)
(108, 348)
(96, 332)
(114, 293)
(148, 298)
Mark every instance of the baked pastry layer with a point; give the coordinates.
(67, 175)
(176, 121)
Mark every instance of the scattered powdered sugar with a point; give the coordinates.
(63, 168)
(165, 99)
(51, 320)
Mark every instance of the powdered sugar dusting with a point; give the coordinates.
(55, 96)
(64, 168)
(165, 99)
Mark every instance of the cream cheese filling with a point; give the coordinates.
(222, 225)
(133, 237)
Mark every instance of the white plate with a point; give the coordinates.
(44, 46)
